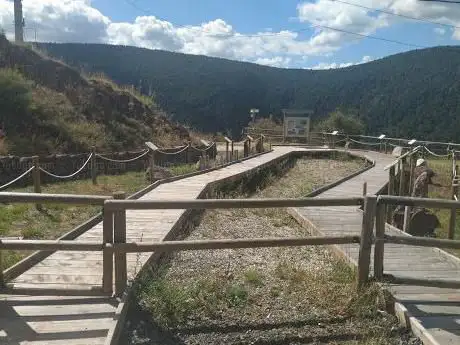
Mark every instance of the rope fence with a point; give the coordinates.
(91, 162)
(20, 177)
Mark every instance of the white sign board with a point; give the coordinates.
(296, 123)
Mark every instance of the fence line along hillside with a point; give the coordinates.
(19, 171)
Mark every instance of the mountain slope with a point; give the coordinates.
(48, 107)
(413, 94)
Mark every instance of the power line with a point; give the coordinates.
(370, 36)
(445, 1)
(131, 2)
(424, 20)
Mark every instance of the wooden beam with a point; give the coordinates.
(423, 241)
(119, 236)
(422, 202)
(379, 241)
(53, 198)
(448, 284)
(51, 245)
(115, 205)
(169, 246)
(151, 146)
(107, 255)
(365, 247)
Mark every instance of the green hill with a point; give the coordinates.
(413, 94)
(49, 107)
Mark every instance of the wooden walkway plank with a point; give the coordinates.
(440, 321)
(89, 318)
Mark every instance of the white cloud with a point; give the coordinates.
(439, 31)
(333, 65)
(79, 21)
(277, 61)
(364, 21)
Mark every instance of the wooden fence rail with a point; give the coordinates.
(115, 247)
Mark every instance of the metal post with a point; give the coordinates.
(365, 246)
(93, 165)
(119, 236)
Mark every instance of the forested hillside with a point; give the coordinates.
(49, 107)
(414, 94)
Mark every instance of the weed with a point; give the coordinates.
(237, 295)
(253, 277)
(182, 169)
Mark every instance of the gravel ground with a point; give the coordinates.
(261, 296)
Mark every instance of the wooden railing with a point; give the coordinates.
(114, 243)
(381, 238)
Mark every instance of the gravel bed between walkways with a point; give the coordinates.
(300, 295)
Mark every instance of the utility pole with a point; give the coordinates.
(18, 22)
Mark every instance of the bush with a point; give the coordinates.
(339, 121)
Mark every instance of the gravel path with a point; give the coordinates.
(299, 295)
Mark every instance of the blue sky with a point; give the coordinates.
(276, 33)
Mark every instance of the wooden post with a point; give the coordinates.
(152, 165)
(365, 246)
(93, 165)
(237, 155)
(402, 177)
(364, 188)
(379, 241)
(36, 178)
(2, 280)
(453, 212)
(391, 184)
(408, 209)
(107, 255)
(233, 151)
(226, 151)
(119, 236)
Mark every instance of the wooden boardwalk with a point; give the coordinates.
(86, 320)
(434, 312)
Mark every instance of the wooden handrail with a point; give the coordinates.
(114, 205)
(422, 241)
(396, 161)
(413, 201)
(53, 198)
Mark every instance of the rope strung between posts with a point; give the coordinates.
(67, 176)
(435, 154)
(122, 160)
(173, 153)
(205, 150)
(24, 174)
(363, 143)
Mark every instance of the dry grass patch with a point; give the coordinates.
(261, 296)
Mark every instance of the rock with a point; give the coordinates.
(159, 173)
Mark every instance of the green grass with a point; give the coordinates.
(172, 303)
(182, 169)
(24, 220)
